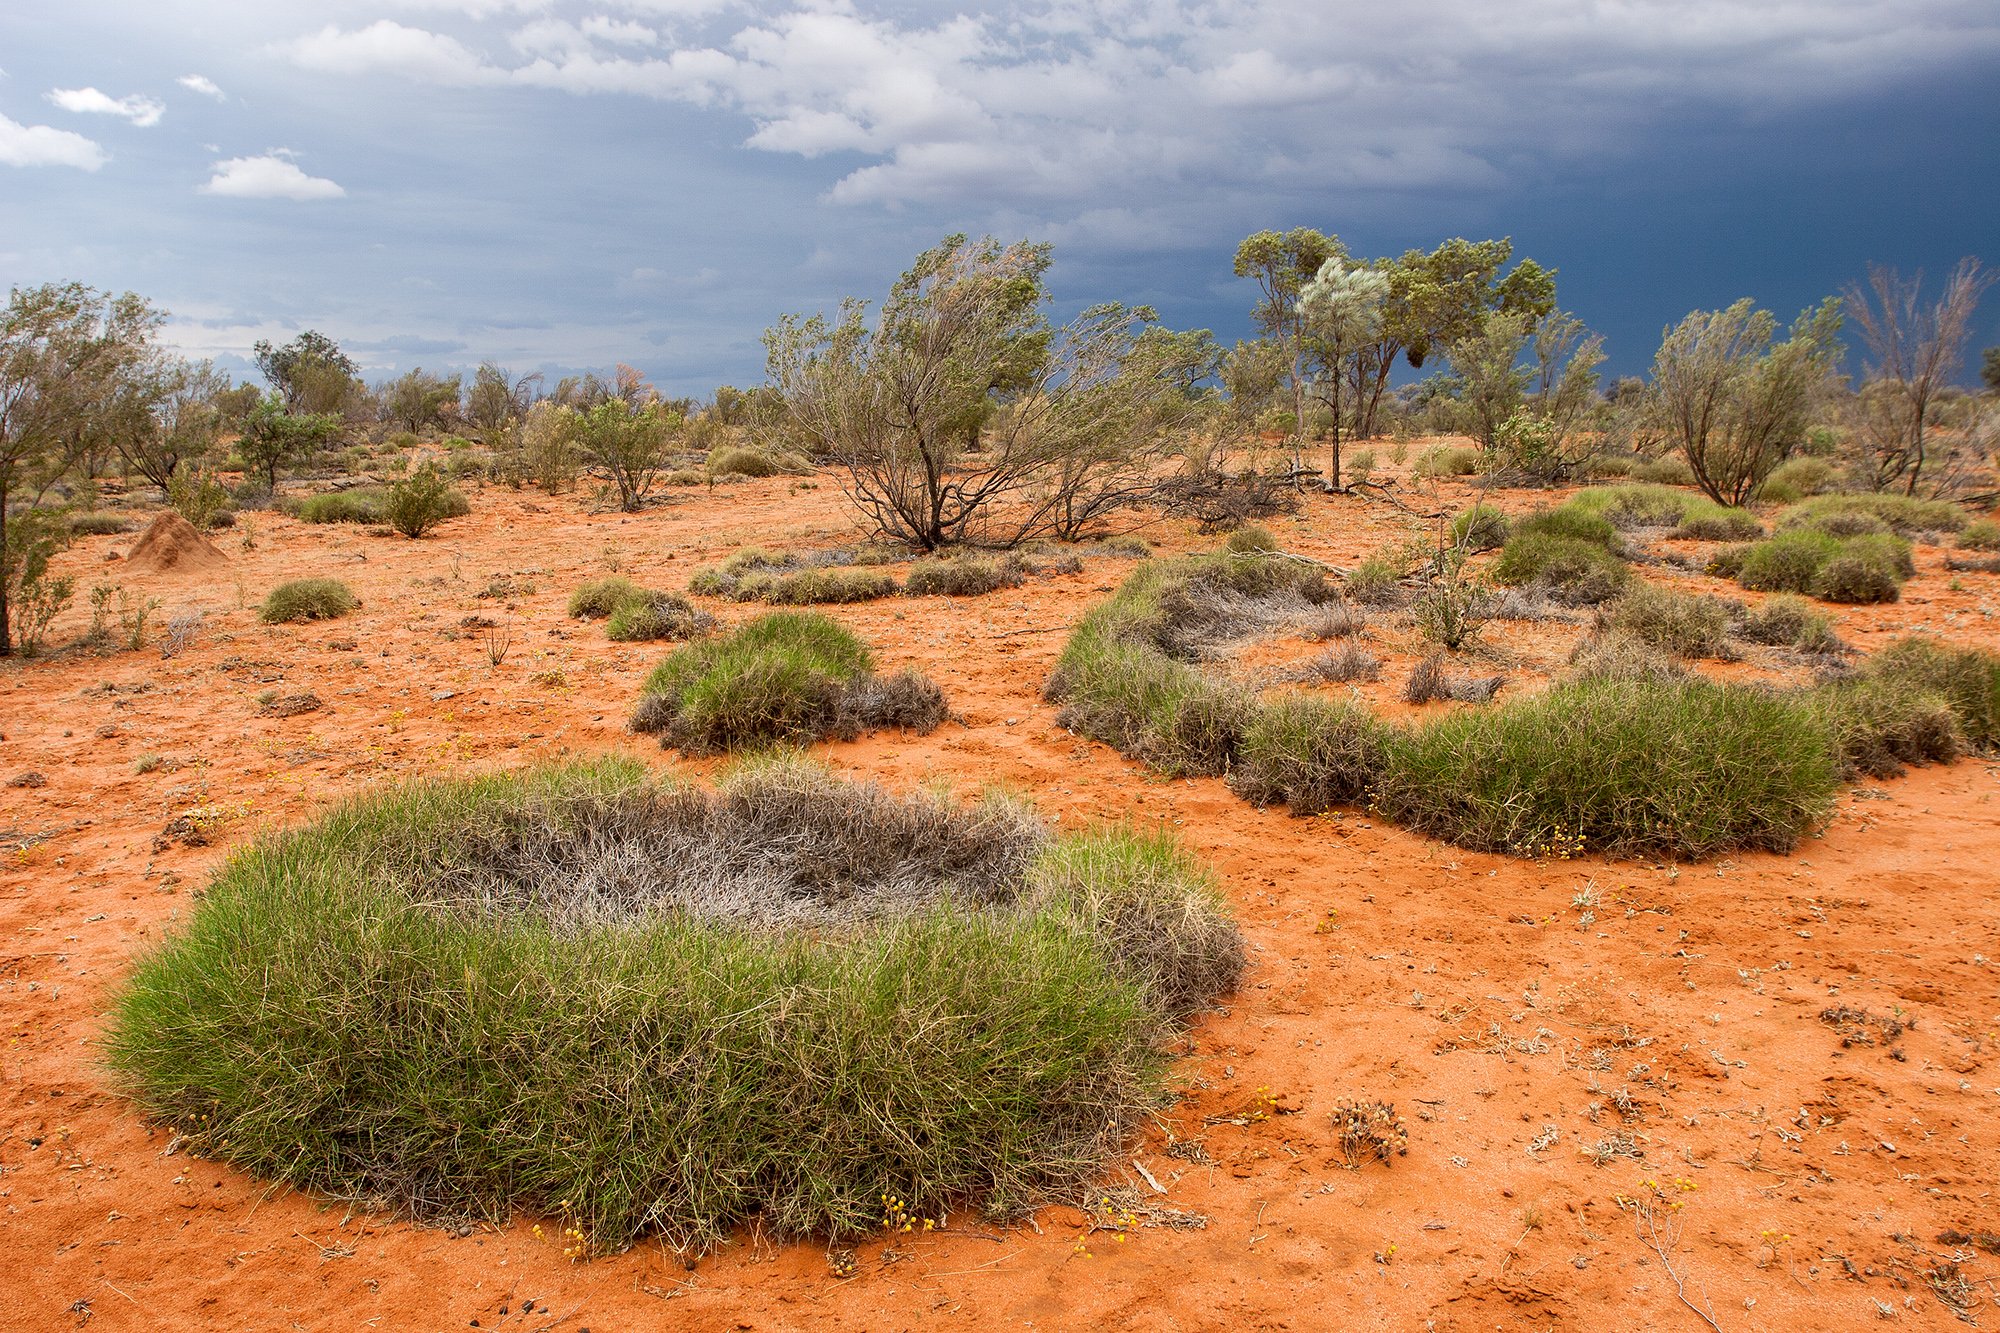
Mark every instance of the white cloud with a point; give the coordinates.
(198, 83)
(43, 146)
(1086, 104)
(144, 112)
(272, 176)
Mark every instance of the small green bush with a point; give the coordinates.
(341, 507)
(1575, 571)
(650, 616)
(105, 525)
(1719, 525)
(1376, 581)
(1796, 478)
(1641, 505)
(739, 461)
(1684, 624)
(1480, 528)
(1671, 470)
(598, 598)
(783, 678)
(961, 576)
(1443, 460)
(1571, 522)
(419, 502)
(1609, 655)
(1904, 514)
(580, 993)
(1981, 535)
(1250, 538)
(1804, 560)
(1605, 467)
(1310, 754)
(816, 587)
(307, 599)
(1856, 579)
(1880, 726)
(1968, 679)
(1632, 768)
(1785, 621)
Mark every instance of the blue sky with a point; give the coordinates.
(559, 185)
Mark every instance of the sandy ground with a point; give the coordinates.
(1554, 1033)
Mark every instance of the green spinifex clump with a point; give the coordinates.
(661, 1009)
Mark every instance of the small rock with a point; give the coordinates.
(439, 696)
(29, 779)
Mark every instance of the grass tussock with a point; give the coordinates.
(307, 599)
(649, 1009)
(105, 525)
(633, 614)
(1785, 621)
(1432, 682)
(1685, 624)
(1966, 678)
(783, 678)
(1310, 754)
(1348, 664)
(1854, 569)
(1881, 725)
(1684, 768)
(963, 576)
(1905, 515)
(1571, 570)
(1481, 528)
(1980, 535)
(813, 578)
(355, 506)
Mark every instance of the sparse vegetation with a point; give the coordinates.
(307, 599)
(654, 615)
(1310, 754)
(1790, 622)
(1982, 535)
(345, 1011)
(419, 502)
(1868, 568)
(962, 576)
(784, 678)
(1684, 624)
(356, 506)
(1902, 514)
(1968, 679)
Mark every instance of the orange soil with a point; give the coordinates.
(1467, 989)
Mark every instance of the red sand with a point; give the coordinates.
(1468, 989)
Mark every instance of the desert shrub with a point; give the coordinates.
(1571, 522)
(1607, 467)
(1881, 725)
(1857, 578)
(1640, 505)
(341, 507)
(307, 599)
(817, 587)
(1968, 679)
(650, 1009)
(105, 525)
(1728, 562)
(598, 598)
(1684, 624)
(1981, 535)
(652, 615)
(1576, 572)
(1904, 514)
(1480, 528)
(1333, 620)
(419, 502)
(786, 677)
(1443, 460)
(1343, 665)
(1671, 470)
(1785, 621)
(738, 461)
(1310, 754)
(961, 576)
(1633, 768)
(1803, 560)
(1251, 537)
(1451, 611)
(1716, 524)
(1376, 581)
(1431, 682)
(1609, 655)
(1796, 478)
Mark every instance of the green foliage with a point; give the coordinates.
(198, 497)
(1632, 768)
(1968, 679)
(1796, 478)
(1791, 622)
(307, 599)
(818, 587)
(355, 506)
(338, 1014)
(1251, 537)
(1480, 528)
(1310, 754)
(962, 576)
(274, 437)
(737, 461)
(98, 525)
(1880, 725)
(1574, 521)
(1376, 581)
(1902, 514)
(1838, 569)
(648, 616)
(1451, 611)
(628, 444)
(784, 678)
(1684, 624)
(1719, 525)
(1980, 535)
(1670, 470)
(420, 501)
(419, 400)
(1443, 460)
(1575, 570)
(310, 373)
(598, 598)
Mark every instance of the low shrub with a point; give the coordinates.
(1310, 754)
(105, 525)
(598, 598)
(961, 576)
(1881, 725)
(1796, 478)
(1840, 569)
(1903, 514)
(651, 616)
(1376, 581)
(1431, 682)
(1671, 470)
(783, 678)
(1719, 525)
(1967, 679)
(1571, 522)
(818, 587)
(1480, 528)
(1251, 537)
(1444, 460)
(1857, 578)
(1684, 624)
(1785, 621)
(738, 461)
(419, 502)
(1342, 666)
(1632, 768)
(1604, 467)
(307, 599)
(649, 1009)
(1981, 535)
(1576, 572)
(1609, 655)
(1451, 612)
(342, 507)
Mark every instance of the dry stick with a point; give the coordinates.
(1652, 1238)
